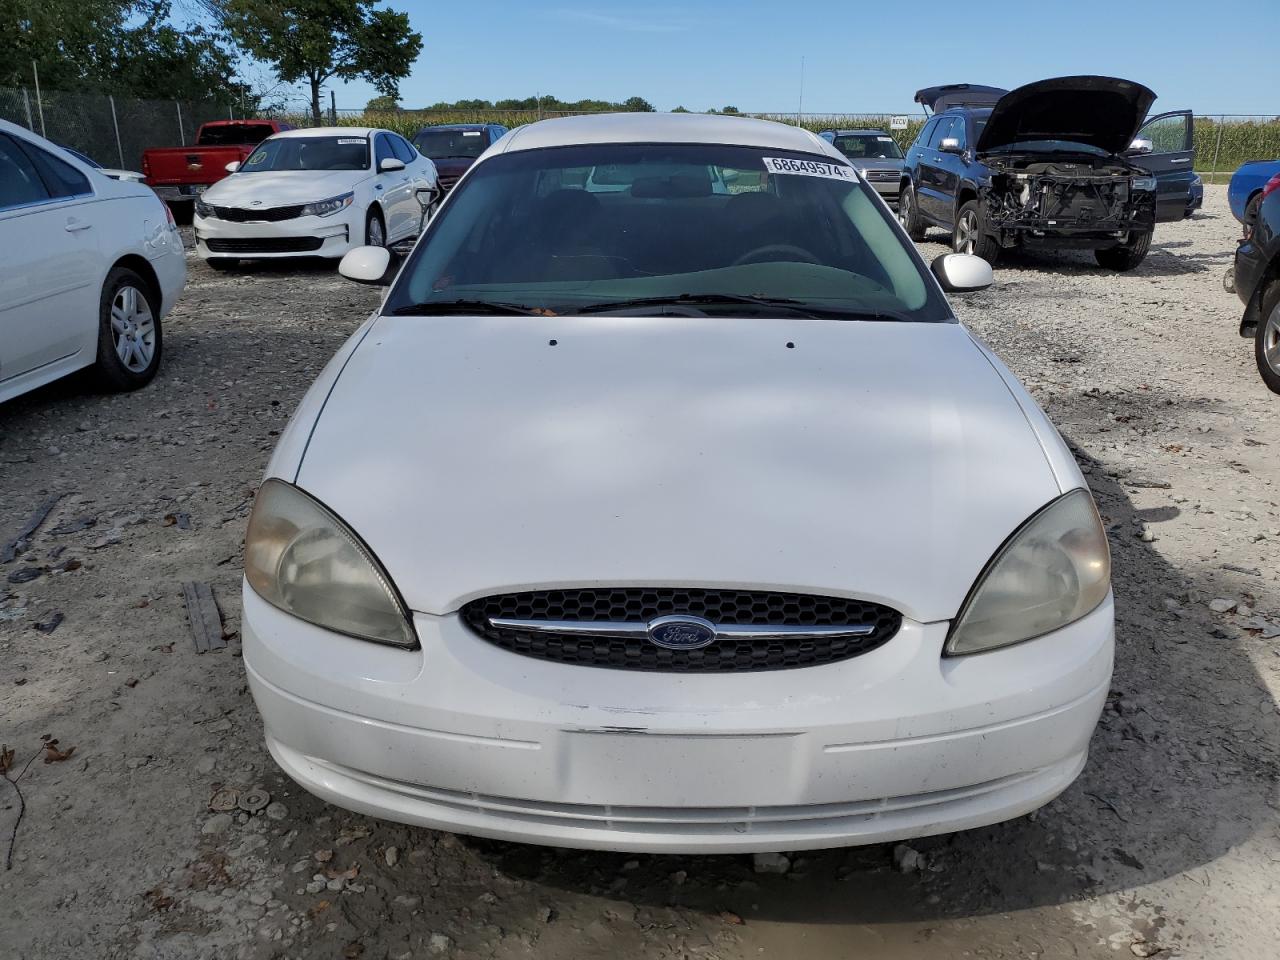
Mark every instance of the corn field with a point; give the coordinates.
(1222, 142)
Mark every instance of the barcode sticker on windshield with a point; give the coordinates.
(350, 140)
(809, 168)
(471, 133)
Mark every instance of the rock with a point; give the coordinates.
(631, 865)
(206, 764)
(219, 823)
(770, 863)
(1142, 948)
(1146, 534)
(907, 859)
(679, 877)
(546, 914)
(277, 810)
(622, 912)
(391, 855)
(1222, 605)
(439, 943)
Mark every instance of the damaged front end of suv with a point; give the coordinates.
(1057, 174)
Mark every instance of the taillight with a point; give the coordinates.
(1271, 187)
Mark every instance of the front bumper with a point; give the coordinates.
(300, 237)
(463, 736)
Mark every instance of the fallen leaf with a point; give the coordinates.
(354, 951)
(728, 916)
(323, 856)
(350, 873)
(53, 755)
(319, 908)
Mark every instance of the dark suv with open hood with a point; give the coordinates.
(1061, 163)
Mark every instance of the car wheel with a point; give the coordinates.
(183, 210)
(1267, 338)
(969, 235)
(375, 230)
(129, 335)
(223, 263)
(909, 213)
(1126, 256)
(1251, 212)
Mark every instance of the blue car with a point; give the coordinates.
(1245, 190)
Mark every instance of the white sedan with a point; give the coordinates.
(317, 192)
(653, 517)
(91, 266)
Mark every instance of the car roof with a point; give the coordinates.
(455, 126)
(330, 132)
(665, 128)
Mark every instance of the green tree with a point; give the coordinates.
(729, 110)
(382, 104)
(637, 105)
(316, 40)
(680, 110)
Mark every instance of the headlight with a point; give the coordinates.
(301, 558)
(1146, 184)
(326, 208)
(1055, 569)
(204, 210)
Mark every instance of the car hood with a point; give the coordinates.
(280, 188)
(884, 461)
(453, 166)
(878, 163)
(1103, 112)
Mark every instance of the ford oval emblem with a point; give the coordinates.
(681, 632)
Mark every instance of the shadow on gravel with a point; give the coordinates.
(1179, 774)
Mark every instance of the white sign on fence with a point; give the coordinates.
(897, 123)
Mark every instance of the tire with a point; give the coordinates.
(1124, 257)
(130, 341)
(969, 235)
(375, 229)
(223, 263)
(909, 213)
(1251, 212)
(1266, 339)
(183, 210)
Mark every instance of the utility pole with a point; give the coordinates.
(800, 105)
(35, 72)
(333, 108)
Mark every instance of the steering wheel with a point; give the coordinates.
(769, 251)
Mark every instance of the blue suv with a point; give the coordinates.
(1061, 163)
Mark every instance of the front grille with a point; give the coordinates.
(269, 215)
(264, 245)
(448, 182)
(639, 606)
(883, 174)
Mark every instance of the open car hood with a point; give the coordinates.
(951, 95)
(1103, 112)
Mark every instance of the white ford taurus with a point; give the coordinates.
(664, 505)
(316, 192)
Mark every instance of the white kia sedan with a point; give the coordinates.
(654, 517)
(89, 267)
(317, 192)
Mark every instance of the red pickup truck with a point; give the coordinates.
(180, 174)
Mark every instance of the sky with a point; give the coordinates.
(858, 58)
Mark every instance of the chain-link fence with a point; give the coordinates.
(112, 130)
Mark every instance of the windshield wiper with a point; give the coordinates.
(444, 308)
(798, 307)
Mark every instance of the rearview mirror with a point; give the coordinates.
(389, 164)
(961, 272)
(372, 265)
(950, 145)
(233, 166)
(1141, 145)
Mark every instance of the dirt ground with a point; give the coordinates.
(1167, 846)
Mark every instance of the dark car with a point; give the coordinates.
(453, 147)
(1257, 282)
(873, 152)
(1059, 163)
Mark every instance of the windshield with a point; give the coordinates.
(698, 227)
(231, 134)
(867, 146)
(445, 144)
(309, 153)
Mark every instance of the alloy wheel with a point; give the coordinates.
(133, 329)
(376, 237)
(1271, 341)
(966, 233)
(904, 209)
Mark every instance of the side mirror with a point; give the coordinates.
(390, 164)
(372, 265)
(950, 145)
(233, 166)
(960, 272)
(1142, 146)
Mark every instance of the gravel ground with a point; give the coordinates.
(1166, 846)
